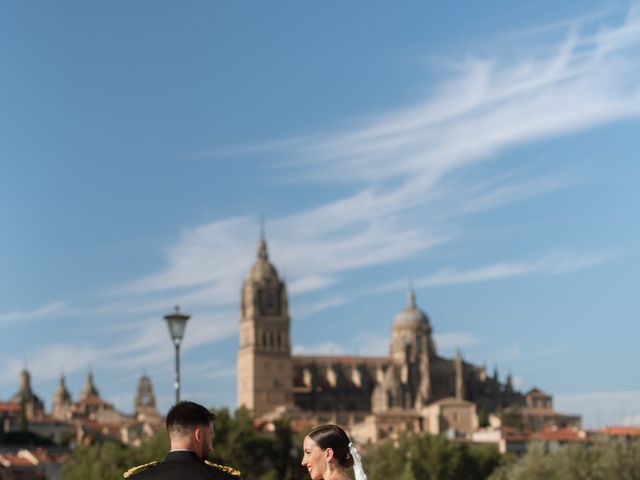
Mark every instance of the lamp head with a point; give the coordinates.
(177, 322)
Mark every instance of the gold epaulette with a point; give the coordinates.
(224, 468)
(139, 468)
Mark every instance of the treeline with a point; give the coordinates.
(603, 460)
(276, 455)
(429, 457)
(258, 455)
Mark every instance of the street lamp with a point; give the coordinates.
(177, 322)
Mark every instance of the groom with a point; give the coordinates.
(191, 432)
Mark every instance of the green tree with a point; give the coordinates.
(245, 447)
(428, 457)
(603, 460)
(105, 460)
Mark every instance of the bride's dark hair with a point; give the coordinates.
(335, 438)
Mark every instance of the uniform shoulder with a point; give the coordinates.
(223, 468)
(138, 469)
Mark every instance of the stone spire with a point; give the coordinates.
(262, 270)
(145, 401)
(424, 389)
(460, 393)
(411, 298)
(509, 384)
(89, 389)
(144, 394)
(60, 406)
(25, 381)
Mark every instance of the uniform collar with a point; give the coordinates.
(182, 455)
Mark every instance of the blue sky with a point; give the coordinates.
(486, 153)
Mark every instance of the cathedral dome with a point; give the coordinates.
(263, 270)
(410, 316)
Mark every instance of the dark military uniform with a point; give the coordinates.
(182, 465)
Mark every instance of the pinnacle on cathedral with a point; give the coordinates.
(263, 270)
(145, 401)
(62, 393)
(61, 400)
(144, 394)
(89, 389)
(411, 316)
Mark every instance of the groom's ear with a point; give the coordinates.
(197, 434)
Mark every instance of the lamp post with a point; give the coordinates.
(177, 322)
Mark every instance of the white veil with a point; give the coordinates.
(357, 462)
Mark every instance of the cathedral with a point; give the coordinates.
(411, 389)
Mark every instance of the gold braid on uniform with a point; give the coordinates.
(139, 468)
(224, 468)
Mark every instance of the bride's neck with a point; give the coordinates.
(337, 474)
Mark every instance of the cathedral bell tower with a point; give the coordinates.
(412, 349)
(265, 369)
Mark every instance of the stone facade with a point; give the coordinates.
(413, 388)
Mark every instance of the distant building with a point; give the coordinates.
(411, 389)
(9, 417)
(537, 414)
(30, 464)
(85, 421)
(26, 398)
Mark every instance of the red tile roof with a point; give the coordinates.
(9, 407)
(339, 360)
(560, 435)
(620, 431)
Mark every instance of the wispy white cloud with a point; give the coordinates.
(408, 157)
(311, 283)
(519, 382)
(308, 309)
(49, 361)
(50, 310)
(413, 191)
(369, 344)
(631, 420)
(324, 348)
(601, 408)
(454, 340)
(485, 107)
(362, 344)
(552, 263)
(491, 105)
